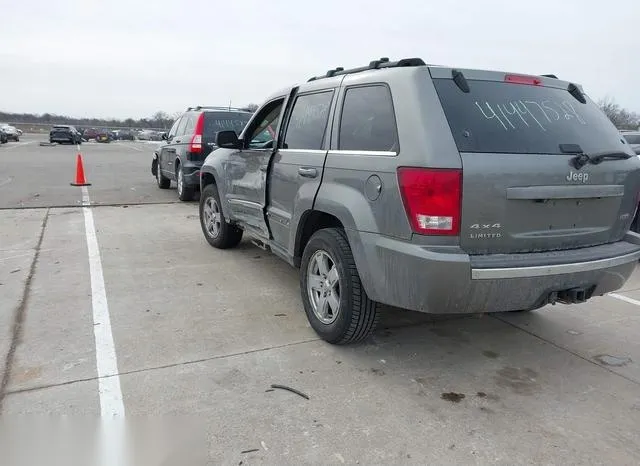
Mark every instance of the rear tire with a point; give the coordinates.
(215, 228)
(328, 279)
(185, 193)
(163, 181)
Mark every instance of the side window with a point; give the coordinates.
(182, 125)
(190, 125)
(265, 125)
(174, 128)
(308, 121)
(367, 121)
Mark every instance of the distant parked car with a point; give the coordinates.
(145, 135)
(125, 135)
(65, 133)
(103, 136)
(90, 133)
(633, 139)
(11, 132)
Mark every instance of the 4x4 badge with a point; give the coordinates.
(485, 226)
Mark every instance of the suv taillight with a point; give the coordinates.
(432, 199)
(195, 146)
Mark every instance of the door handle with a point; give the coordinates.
(177, 140)
(308, 172)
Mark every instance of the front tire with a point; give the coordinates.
(334, 299)
(185, 193)
(217, 231)
(163, 181)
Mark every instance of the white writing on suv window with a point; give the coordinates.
(530, 114)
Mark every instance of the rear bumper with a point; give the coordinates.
(192, 174)
(61, 137)
(444, 280)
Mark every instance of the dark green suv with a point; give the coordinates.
(191, 138)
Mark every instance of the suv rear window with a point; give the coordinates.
(503, 117)
(224, 121)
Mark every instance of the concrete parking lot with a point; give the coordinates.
(155, 322)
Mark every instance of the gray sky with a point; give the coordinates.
(131, 58)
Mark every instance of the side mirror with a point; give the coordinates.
(228, 140)
(164, 136)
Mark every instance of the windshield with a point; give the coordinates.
(512, 118)
(224, 121)
(632, 138)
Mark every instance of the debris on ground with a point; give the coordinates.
(453, 397)
(292, 390)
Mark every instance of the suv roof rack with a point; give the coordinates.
(373, 65)
(206, 107)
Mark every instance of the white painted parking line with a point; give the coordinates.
(111, 404)
(625, 299)
(20, 144)
(129, 146)
(111, 451)
(7, 181)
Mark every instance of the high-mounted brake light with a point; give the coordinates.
(432, 199)
(195, 146)
(520, 79)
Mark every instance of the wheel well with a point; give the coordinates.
(311, 222)
(207, 179)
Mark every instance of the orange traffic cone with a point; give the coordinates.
(80, 180)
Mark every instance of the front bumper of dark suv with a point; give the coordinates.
(445, 280)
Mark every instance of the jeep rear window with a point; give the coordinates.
(503, 117)
(224, 121)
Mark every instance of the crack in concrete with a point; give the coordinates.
(562, 348)
(165, 366)
(18, 319)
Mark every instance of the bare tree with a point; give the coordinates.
(251, 107)
(620, 117)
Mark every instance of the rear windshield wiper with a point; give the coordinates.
(582, 158)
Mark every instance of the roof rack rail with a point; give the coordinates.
(549, 76)
(206, 107)
(373, 65)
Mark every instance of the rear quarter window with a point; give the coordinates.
(514, 118)
(368, 121)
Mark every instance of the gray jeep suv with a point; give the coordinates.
(428, 188)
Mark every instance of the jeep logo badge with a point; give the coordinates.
(575, 176)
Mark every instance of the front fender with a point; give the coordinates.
(213, 166)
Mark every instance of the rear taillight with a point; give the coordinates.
(195, 146)
(432, 199)
(522, 79)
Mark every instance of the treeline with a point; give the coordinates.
(620, 117)
(159, 120)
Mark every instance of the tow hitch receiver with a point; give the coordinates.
(572, 296)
